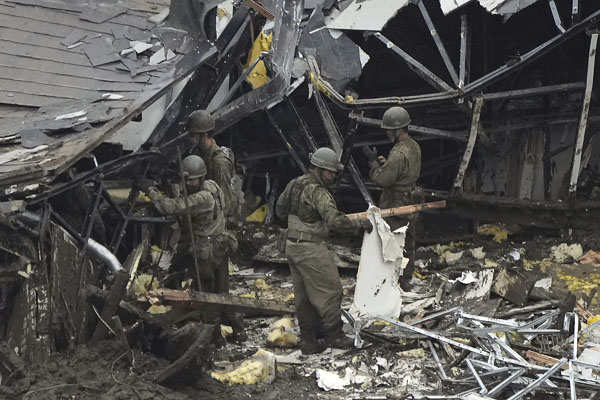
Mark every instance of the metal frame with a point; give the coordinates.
(464, 164)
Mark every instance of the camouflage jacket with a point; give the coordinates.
(206, 209)
(220, 168)
(310, 208)
(399, 174)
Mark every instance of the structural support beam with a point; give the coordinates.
(288, 146)
(589, 85)
(418, 68)
(438, 42)
(464, 164)
(537, 91)
(556, 16)
(465, 52)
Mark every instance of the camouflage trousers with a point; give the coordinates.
(317, 288)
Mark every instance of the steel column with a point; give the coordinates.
(465, 52)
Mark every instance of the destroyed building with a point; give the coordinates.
(94, 97)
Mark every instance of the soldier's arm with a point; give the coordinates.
(283, 203)
(336, 221)
(387, 174)
(223, 176)
(199, 201)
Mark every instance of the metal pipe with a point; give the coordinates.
(556, 16)
(104, 254)
(539, 381)
(95, 248)
(502, 385)
(483, 390)
(437, 360)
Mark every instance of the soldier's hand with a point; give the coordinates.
(381, 160)
(366, 225)
(369, 153)
(144, 184)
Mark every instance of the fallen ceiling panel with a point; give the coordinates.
(502, 7)
(363, 15)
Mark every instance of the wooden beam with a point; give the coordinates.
(589, 85)
(410, 209)
(464, 164)
(223, 301)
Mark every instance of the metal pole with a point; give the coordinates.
(584, 117)
(556, 16)
(465, 52)
(288, 146)
(477, 378)
(438, 42)
(502, 385)
(188, 216)
(414, 65)
(460, 176)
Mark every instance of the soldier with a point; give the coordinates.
(219, 160)
(398, 175)
(313, 218)
(205, 201)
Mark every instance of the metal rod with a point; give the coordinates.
(502, 385)
(584, 116)
(437, 360)
(477, 378)
(556, 16)
(572, 387)
(575, 334)
(537, 91)
(465, 52)
(454, 342)
(239, 81)
(287, 144)
(460, 176)
(436, 315)
(188, 216)
(418, 68)
(438, 42)
(539, 381)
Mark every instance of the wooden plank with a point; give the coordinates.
(68, 70)
(464, 164)
(232, 303)
(589, 85)
(30, 25)
(410, 209)
(68, 81)
(43, 53)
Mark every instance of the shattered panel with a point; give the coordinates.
(366, 15)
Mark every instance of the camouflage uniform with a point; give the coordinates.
(220, 168)
(212, 241)
(312, 217)
(398, 177)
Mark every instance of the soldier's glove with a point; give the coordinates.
(369, 153)
(144, 184)
(366, 225)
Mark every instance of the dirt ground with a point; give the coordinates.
(105, 371)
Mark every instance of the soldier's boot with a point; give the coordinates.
(311, 345)
(307, 322)
(336, 338)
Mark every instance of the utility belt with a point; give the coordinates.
(297, 236)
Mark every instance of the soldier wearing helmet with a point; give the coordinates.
(220, 161)
(397, 175)
(205, 204)
(313, 218)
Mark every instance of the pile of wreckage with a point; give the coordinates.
(93, 98)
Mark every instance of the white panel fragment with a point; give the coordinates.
(369, 15)
(377, 293)
(75, 114)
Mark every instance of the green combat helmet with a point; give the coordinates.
(326, 158)
(194, 167)
(200, 121)
(395, 118)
